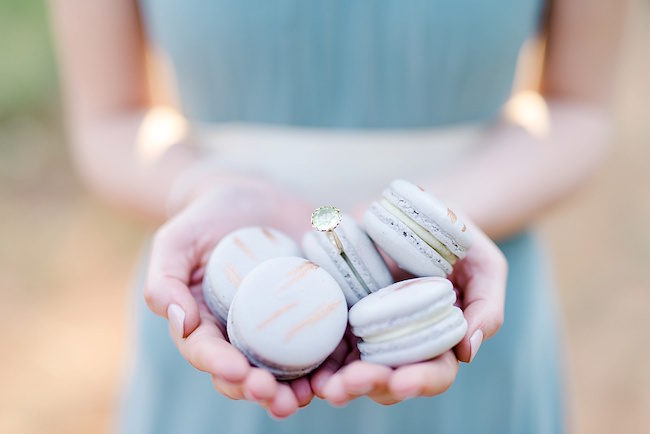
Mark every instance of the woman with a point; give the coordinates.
(295, 104)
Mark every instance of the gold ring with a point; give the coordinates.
(326, 219)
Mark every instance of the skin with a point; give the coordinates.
(180, 251)
(106, 89)
(480, 278)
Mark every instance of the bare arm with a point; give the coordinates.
(122, 155)
(102, 61)
(521, 172)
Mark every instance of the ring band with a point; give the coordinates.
(335, 240)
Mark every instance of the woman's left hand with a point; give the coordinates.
(481, 281)
(179, 253)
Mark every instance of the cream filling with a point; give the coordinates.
(407, 329)
(420, 231)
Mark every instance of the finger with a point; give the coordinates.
(198, 273)
(323, 375)
(207, 351)
(459, 298)
(302, 390)
(166, 289)
(332, 364)
(284, 403)
(353, 355)
(228, 389)
(383, 397)
(424, 379)
(334, 391)
(361, 378)
(260, 385)
(484, 318)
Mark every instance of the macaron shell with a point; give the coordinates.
(407, 249)
(237, 254)
(317, 251)
(289, 313)
(366, 253)
(453, 229)
(216, 306)
(402, 303)
(422, 345)
(286, 373)
(361, 252)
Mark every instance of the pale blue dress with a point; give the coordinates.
(359, 64)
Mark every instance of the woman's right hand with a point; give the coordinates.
(480, 279)
(180, 250)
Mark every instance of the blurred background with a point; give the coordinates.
(66, 260)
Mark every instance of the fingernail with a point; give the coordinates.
(176, 318)
(319, 383)
(410, 394)
(328, 388)
(475, 342)
(458, 302)
(361, 389)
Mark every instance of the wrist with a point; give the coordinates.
(203, 177)
(241, 196)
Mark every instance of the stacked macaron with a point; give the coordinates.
(418, 231)
(357, 267)
(408, 321)
(287, 314)
(416, 319)
(234, 257)
(283, 312)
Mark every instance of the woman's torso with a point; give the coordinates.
(307, 73)
(341, 63)
(363, 65)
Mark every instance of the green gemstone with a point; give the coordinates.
(326, 218)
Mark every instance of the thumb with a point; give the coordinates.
(482, 277)
(484, 318)
(167, 290)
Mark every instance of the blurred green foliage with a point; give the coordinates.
(33, 155)
(28, 82)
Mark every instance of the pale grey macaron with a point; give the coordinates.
(287, 317)
(237, 254)
(408, 322)
(417, 230)
(358, 268)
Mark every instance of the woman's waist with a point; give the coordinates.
(337, 166)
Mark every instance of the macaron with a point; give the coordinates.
(237, 254)
(287, 317)
(358, 268)
(408, 322)
(417, 230)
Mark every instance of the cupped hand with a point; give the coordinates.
(180, 250)
(480, 279)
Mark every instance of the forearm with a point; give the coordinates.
(132, 158)
(518, 174)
